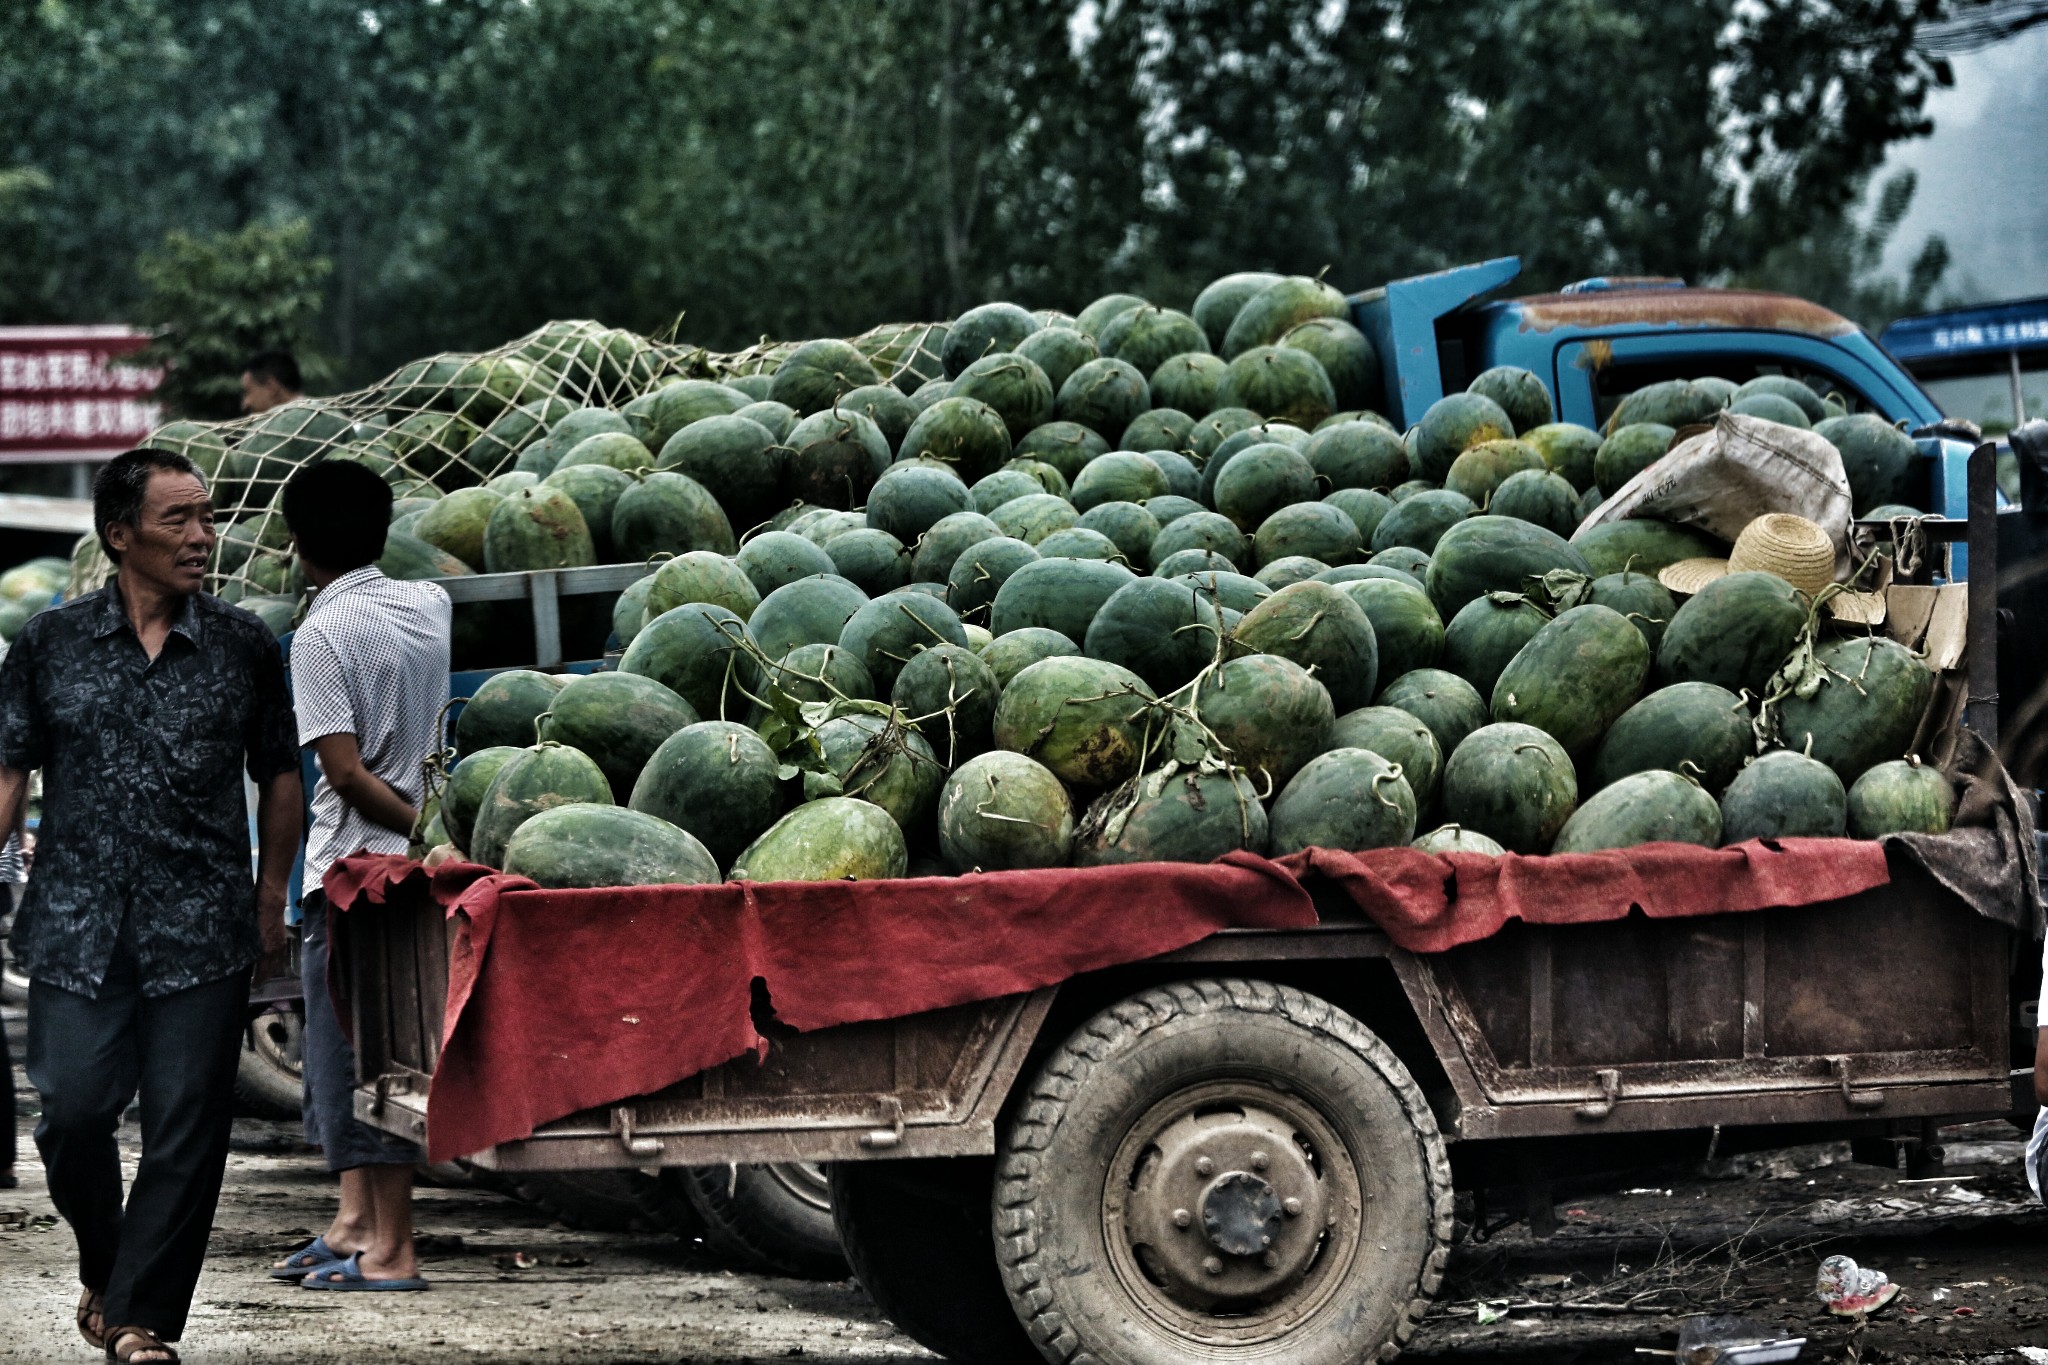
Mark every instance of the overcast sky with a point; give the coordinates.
(1984, 174)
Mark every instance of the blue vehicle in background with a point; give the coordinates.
(1595, 342)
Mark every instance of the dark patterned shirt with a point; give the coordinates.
(144, 815)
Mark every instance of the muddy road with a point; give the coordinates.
(1631, 1256)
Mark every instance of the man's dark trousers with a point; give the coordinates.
(87, 1057)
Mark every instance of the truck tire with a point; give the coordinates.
(605, 1201)
(268, 1079)
(772, 1218)
(918, 1237)
(1222, 1170)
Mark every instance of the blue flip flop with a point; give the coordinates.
(314, 1255)
(353, 1281)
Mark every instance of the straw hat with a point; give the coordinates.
(1796, 550)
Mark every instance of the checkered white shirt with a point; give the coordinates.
(370, 660)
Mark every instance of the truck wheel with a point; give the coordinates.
(268, 1079)
(606, 1201)
(776, 1218)
(917, 1235)
(1222, 1170)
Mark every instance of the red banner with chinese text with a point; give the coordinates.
(63, 397)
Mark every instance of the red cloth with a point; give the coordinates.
(563, 1000)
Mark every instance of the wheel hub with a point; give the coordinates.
(1228, 1209)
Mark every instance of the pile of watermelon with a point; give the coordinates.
(1031, 590)
(29, 587)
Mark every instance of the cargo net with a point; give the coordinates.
(455, 421)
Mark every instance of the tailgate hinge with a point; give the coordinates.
(1838, 1067)
(622, 1125)
(1610, 1095)
(880, 1139)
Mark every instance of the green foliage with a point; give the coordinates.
(476, 167)
(217, 300)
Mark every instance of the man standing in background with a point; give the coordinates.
(144, 703)
(270, 380)
(369, 674)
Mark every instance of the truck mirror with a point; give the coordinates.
(2030, 445)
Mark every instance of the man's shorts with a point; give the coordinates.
(329, 1065)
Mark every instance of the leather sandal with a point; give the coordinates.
(88, 1309)
(126, 1343)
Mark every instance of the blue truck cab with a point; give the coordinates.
(1596, 341)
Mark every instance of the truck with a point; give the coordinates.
(1249, 1147)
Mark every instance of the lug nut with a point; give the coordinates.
(1181, 1218)
(1265, 1241)
(1214, 1265)
(1271, 1260)
(1292, 1206)
(1260, 1161)
(1204, 1166)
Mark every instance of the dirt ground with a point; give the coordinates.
(1630, 1258)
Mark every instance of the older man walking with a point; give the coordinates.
(143, 704)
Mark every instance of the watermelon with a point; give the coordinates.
(838, 838)
(1188, 383)
(1105, 396)
(1568, 449)
(1165, 631)
(456, 523)
(715, 779)
(617, 719)
(946, 539)
(980, 570)
(1002, 812)
(736, 458)
(1519, 392)
(588, 846)
(696, 651)
(1201, 531)
(873, 561)
(1161, 429)
(1264, 433)
(596, 490)
(1866, 709)
(1399, 738)
(1486, 635)
(1452, 425)
(1085, 719)
(883, 760)
(1784, 795)
(887, 406)
(1647, 604)
(1536, 496)
(1217, 306)
(1786, 389)
(1486, 554)
(1649, 807)
(701, 576)
(809, 611)
(1357, 455)
(1280, 383)
(1406, 627)
(1314, 529)
(832, 458)
(1289, 570)
(503, 710)
(1350, 799)
(930, 392)
(1129, 527)
(1005, 485)
(1031, 519)
(1696, 729)
(1276, 310)
(539, 778)
(1457, 839)
(1366, 508)
(468, 780)
(667, 514)
(812, 377)
(1066, 446)
(1480, 469)
(1059, 594)
(1512, 783)
(618, 450)
(1628, 452)
(1419, 522)
(1149, 337)
(1261, 480)
(888, 631)
(1575, 676)
(1058, 352)
(965, 433)
(1347, 357)
(1183, 563)
(1736, 631)
(1883, 464)
(775, 559)
(1270, 715)
(1672, 403)
(629, 613)
(1009, 655)
(1119, 476)
(1770, 407)
(1172, 815)
(815, 672)
(1644, 545)
(1078, 542)
(1319, 627)
(779, 419)
(1229, 591)
(1217, 427)
(950, 693)
(988, 330)
(1014, 386)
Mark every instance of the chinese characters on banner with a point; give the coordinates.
(62, 397)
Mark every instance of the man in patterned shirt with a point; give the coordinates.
(143, 704)
(369, 676)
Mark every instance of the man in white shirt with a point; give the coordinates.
(369, 675)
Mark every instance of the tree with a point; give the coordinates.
(220, 299)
